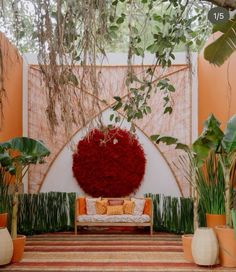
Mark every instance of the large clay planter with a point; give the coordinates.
(227, 244)
(187, 247)
(18, 248)
(205, 247)
(213, 220)
(6, 246)
(3, 220)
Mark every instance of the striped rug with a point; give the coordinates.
(63, 252)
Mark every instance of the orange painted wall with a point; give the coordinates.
(12, 104)
(216, 90)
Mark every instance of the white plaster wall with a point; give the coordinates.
(158, 177)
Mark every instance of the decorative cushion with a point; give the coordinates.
(147, 206)
(139, 205)
(91, 205)
(101, 206)
(82, 205)
(128, 207)
(114, 210)
(115, 202)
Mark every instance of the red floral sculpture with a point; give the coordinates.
(109, 164)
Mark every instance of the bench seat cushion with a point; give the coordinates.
(124, 218)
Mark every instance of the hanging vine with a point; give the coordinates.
(72, 32)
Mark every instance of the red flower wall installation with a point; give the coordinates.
(109, 164)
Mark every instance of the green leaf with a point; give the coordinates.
(168, 110)
(167, 140)
(111, 117)
(72, 78)
(221, 49)
(171, 88)
(120, 20)
(229, 139)
(154, 137)
(182, 147)
(117, 106)
(113, 27)
(117, 98)
(153, 48)
(139, 51)
(134, 30)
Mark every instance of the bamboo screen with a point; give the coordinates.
(111, 79)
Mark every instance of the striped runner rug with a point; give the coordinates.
(63, 252)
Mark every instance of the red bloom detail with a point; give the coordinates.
(110, 164)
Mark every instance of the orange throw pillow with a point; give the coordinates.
(101, 206)
(82, 205)
(115, 210)
(147, 206)
(128, 207)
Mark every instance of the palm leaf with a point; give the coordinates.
(221, 49)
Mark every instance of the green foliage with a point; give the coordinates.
(223, 47)
(17, 154)
(44, 212)
(172, 214)
(210, 185)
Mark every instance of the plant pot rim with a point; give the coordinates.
(189, 235)
(224, 227)
(3, 227)
(1, 213)
(19, 236)
(215, 214)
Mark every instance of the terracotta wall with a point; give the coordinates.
(217, 90)
(12, 83)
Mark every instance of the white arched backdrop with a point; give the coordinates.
(158, 177)
(161, 175)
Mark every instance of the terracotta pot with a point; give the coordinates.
(213, 220)
(6, 246)
(227, 243)
(205, 247)
(3, 220)
(187, 247)
(18, 248)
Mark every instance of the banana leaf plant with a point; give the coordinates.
(224, 145)
(16, 155)
(212, 139)
(222, 48)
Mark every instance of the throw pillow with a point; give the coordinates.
(128, 207)
(82, 205)
(101, 206)
(115, 210)
(138, 205)
(147, 206)
(91, 205)
(115, 202)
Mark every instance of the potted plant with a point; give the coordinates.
(5, 180)
(223, 144)
(20, 152)
(211, 187)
